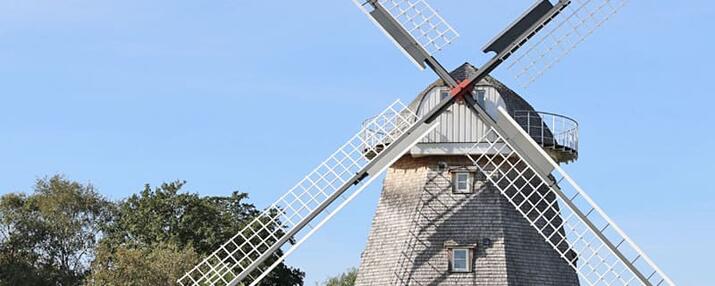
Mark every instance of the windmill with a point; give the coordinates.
(506, 156)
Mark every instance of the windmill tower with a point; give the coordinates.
(502, 165)
(439, 220)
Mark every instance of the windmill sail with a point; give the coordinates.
(559, 34)
(413, 25)
(566, 217)
(265, 242)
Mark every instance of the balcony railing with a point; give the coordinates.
(552, 131)
(555, 133)
(381, 130)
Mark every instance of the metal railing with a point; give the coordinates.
(375, 138)
(550, 130)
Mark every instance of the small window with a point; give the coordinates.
(462, 183)
(461, 261)
(480, 97)
(478, 94)
(444, 94)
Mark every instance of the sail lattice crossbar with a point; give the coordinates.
(565, 216)
(420, 20)
(559, 36)
(253, 252)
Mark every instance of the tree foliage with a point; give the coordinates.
(159, 264)
(65, 234)
(185, 220)
(345, 279)
(49, 237)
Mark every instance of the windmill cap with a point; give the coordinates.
(512, 101)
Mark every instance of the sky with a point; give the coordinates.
(252, 95)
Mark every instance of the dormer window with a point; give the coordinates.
(462, 183)
(478, 94)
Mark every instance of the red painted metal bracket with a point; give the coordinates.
(461, 88)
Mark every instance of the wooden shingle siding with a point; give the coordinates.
(418, 213)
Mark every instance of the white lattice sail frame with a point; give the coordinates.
(309, 201)
(565, 215)
(426, 27)
(559, 36)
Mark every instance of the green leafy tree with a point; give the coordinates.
(345, 279)
(49, 237)
(166, 215)
(158, 264)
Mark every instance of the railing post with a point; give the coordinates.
(541, 124)
(528, 122)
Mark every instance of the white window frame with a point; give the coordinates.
(469, 183)
(467, 258)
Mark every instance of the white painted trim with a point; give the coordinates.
(447, 149)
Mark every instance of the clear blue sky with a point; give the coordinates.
(251, 95)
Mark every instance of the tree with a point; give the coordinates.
(158, 264)
(345, 279)
(164, 215)
(49, 237)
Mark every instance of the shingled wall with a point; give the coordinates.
(418, 213)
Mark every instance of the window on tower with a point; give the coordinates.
(444, 94)
(461, 260)
(478, 94)
(462, 182)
